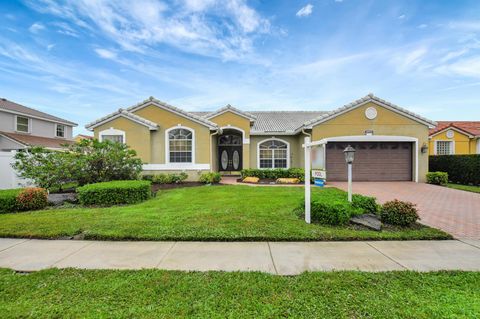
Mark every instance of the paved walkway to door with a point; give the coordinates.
(454, 211)
(282, 258)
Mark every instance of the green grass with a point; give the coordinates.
(223, 213)
(468, 188)
(164, 294)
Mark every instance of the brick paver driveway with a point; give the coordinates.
(454, 211)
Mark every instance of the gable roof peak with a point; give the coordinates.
(230, 108)
(369, 97)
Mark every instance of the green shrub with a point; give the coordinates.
(114, 193)
(32, 198)
(437, 178)
(461, 169)
(169, 178)
(367, 204)
(332, 212)
(8, 200)
(210, 178)
(399, 213)
(147, 177)
(274, 173)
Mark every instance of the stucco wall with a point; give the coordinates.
(167, 120)
(231, 119)
(463, 144)
(137, 136)
(296, 150)
(387, 122)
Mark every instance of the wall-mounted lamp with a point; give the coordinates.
(424, 148)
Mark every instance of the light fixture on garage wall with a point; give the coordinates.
(424, 148)
(369, 132)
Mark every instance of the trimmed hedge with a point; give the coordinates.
(461, 169)
(275, 173)
(8, 200)
(114, 193)
(210, 178)
(169, 178)
(437, 178)
(22, 199)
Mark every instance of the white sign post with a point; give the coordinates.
(308, 149)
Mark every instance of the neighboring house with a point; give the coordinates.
(455, 138)
(391, 142)
(80, 137)
(22, 127)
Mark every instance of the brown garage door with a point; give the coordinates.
(376, 161)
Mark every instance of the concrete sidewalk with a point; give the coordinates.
(284, 258)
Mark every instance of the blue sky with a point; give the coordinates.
(82, 59)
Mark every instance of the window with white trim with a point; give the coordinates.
(60, 130)
(113, 135)
(23, 124)
(180, 145)
(444, 147)
(113, 138)
(273, 154)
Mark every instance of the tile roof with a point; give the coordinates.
(471, 127)
(121, 112)
(369, 98)
(33, 140)
(13, 107)
(85, 137)
(277, 121)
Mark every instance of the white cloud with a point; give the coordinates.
(406, 61)
(36, 27)
(50, 46)
(422, 26)
(401, 17)
(338, 0)
(305, 11)
(219, 28)
(106, 54)
(466, 67)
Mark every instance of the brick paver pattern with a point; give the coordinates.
(454, 211)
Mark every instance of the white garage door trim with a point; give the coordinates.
(373, 138)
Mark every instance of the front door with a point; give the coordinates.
(230, 152)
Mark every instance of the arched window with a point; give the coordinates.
(180, 145)
(273, 153)
(113, 135)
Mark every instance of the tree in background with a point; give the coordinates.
(85, 162)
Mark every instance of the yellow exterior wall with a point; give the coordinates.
(166, 119)
(296, 150)
(463, 144)
(474, 146)
(387, 122)
(231, 119)
(137, 136)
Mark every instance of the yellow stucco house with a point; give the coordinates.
(455, 138)
(391, 142)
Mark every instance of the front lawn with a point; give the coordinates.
(200, 213)
(73, 293)
(468, 188)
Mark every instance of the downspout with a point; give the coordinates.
(218, 131)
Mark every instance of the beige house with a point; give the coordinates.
(391, 142)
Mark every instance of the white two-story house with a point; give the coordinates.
(22, 127)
